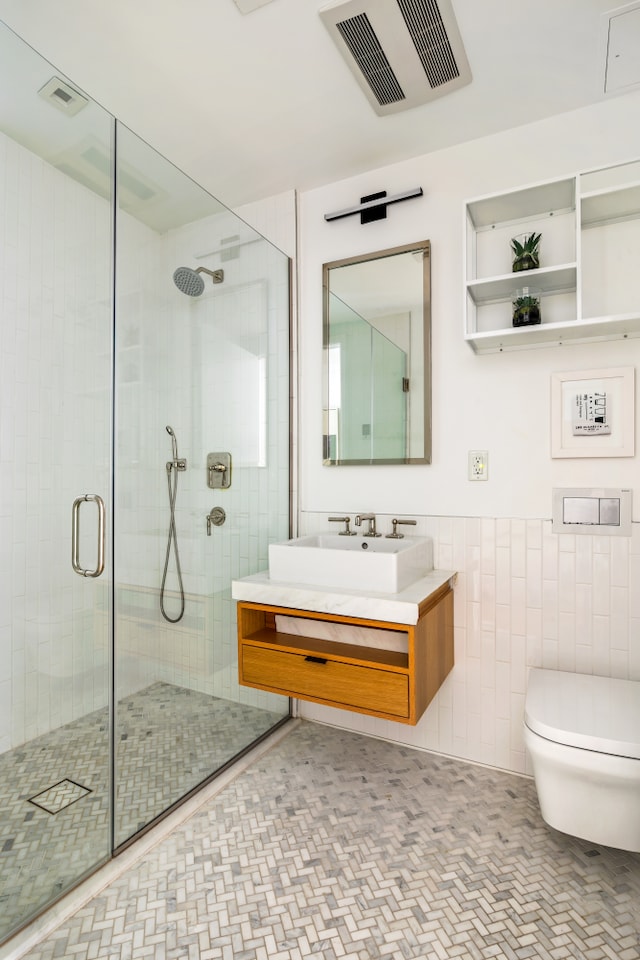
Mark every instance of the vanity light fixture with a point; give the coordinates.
(374, 207)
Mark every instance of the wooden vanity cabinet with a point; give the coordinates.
(392, 684)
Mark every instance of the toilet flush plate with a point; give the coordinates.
(593, 511)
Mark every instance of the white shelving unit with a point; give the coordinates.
(590, 226)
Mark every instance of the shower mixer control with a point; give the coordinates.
(219, 471)
(217, 517)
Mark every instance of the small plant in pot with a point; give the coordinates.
(526, 251)
(526, 308)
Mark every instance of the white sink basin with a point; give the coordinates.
(373, 564)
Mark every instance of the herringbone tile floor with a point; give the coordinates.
(335, 845)
(168, 739)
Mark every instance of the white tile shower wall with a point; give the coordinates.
(206, 382)
(273, 218)
(524, 597)
(54, 441)
(55, 300)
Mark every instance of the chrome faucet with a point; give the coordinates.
(371, 517)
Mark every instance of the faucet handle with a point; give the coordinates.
(347, 532)
(394, 535)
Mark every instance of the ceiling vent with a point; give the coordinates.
(60, 95)
(402, 52)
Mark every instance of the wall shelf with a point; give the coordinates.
(590, 226)
(582, 331)
(561, 279)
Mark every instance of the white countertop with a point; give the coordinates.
(400, 607)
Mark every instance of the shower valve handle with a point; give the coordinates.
(219, 471)
(217, 517)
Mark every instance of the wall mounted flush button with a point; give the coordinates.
(610, 511)
(581, 510)
(592, 511)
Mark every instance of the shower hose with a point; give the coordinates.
(172, 538)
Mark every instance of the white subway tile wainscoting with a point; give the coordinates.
(524, 597)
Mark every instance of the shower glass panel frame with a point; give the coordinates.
(111, 715)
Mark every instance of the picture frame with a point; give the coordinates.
(592, 413)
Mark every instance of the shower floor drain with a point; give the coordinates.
(59, 796)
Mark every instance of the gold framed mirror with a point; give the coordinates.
(377, 357)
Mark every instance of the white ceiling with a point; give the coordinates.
(252, 105)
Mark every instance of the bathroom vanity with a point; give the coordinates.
(385, 655)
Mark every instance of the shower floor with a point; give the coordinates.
(54, 790)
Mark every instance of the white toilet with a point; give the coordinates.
(583, 736)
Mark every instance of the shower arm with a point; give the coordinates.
(214, 274)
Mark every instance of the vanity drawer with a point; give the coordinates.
(330, 681)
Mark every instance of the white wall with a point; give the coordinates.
(514, 608)
(498, 402)
(198, 363)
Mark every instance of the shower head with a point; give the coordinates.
(174, 442)
(190, 282)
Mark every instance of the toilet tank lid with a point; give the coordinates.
(581, 710)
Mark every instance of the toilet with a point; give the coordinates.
(583, 736)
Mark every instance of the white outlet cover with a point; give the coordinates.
(478, 465)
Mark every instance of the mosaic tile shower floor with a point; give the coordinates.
(335, 845)
(54, 789)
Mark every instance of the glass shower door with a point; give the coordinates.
(55, 443)
(201, 460)
(147, 401)
(388, 399)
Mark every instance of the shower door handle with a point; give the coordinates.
(75, 535)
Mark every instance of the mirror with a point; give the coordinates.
(377, 357)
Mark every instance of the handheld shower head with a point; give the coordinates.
(174, 442)
(190, 282)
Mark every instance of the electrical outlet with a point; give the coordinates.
(478, 465)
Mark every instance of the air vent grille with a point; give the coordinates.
(361, 39)
(427, 30)
(403, 53)
(60, 95)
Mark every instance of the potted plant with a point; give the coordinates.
(526, 308)
(526, 251)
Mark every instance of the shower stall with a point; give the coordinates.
(144, 464)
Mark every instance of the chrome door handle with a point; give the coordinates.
(75, 535)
